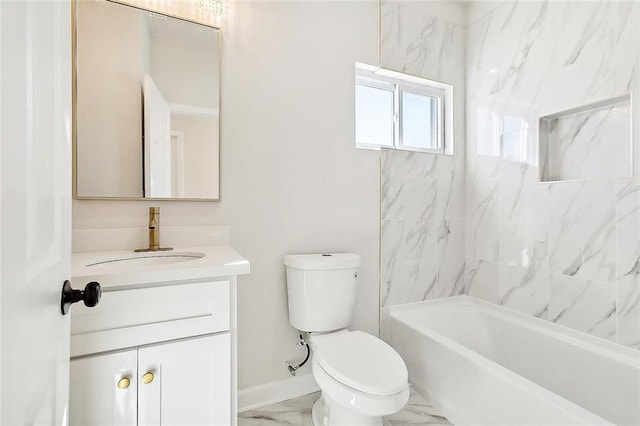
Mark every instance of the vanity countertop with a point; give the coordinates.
(117, 269)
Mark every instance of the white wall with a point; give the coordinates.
(200, 154)
(195, 55)
(109, 108)
(292, 180)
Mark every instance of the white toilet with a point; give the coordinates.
(361, 377)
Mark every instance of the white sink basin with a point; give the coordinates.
(116, 270)
(146, 259)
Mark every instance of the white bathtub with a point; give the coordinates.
(479, 363)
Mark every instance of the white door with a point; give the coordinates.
(157, 141)
(35, 210)
(189, 382)
(177, 164)
(104, 390)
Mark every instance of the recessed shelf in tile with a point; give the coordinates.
(587, 142)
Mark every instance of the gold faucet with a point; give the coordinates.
(154, 232)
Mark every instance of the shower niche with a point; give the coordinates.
(588, 142)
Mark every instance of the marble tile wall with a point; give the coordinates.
(567, 252)
(422, 195)
(573, 145)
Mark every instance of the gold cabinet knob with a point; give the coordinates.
(147, 378)
(124, 383)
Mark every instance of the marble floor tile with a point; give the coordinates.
(294, 412)
(417, 412)
(298, 412)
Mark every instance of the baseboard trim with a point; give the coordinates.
(271, 393)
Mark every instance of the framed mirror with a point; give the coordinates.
(146, 105)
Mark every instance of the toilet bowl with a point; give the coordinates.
(361, 377)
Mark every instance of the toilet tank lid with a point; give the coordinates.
(322, 261)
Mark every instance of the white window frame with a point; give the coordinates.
(369, 76)
(369, 80)
(439, 95)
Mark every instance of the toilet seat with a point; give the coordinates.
(362, 362)
(360, 402)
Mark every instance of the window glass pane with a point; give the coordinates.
(374, 116)
(419, 121)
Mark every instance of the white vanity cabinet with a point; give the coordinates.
(185, 382)
(159, 348)
(157, 355)
(191, 384)
(103, 389)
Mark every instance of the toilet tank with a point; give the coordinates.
(321, 290)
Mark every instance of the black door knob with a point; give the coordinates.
(90, 296)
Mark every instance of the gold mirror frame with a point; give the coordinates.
(74, 107)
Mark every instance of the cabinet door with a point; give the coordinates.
(99, 392)
(191, 382)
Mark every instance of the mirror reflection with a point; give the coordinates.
(146, 105)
